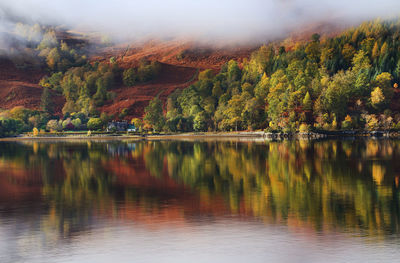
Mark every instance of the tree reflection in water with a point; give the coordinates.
(341, 185)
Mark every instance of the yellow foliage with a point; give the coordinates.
(206, 74)
(377, 96)
(375, 51)
(303, 127)
(35, 132)
(264, 77)
(384, 49)
(372, 122)
(334, 124)
(272, 125)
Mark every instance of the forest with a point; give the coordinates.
(346, 82)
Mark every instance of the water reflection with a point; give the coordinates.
(67, 189)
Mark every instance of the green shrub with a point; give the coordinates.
(77, 123)
(129, 77)
(95, 124)
(54, 126)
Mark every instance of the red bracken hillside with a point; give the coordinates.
(19, 87)
(180, 63)
(179, 53)
(180, 60)
(136, 98)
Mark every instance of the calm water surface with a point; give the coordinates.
(200, 201)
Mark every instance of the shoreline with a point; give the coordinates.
(213, 135)
(110, 137)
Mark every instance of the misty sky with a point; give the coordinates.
(219, 19)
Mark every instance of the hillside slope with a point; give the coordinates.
(180, 60)
(136, 98)
(179, 53)
(19, 87)
(180, 63)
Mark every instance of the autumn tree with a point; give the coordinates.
(138, 124)
(384, 82)
(377, 98)
(234, 111)
(307, 102)
(95, 124)
(154, 114)
(46, 103)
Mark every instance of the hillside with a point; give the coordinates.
(180, 63)
(19, 87)
(345, 81)
(180, 53)
(181, 60)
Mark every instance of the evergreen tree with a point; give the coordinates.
(46, 103)
(307, 102)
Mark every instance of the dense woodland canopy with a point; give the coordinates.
(345, 82)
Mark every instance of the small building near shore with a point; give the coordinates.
(120, 126)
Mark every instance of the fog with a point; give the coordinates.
(230, 20)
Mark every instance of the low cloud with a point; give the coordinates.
(229, 20)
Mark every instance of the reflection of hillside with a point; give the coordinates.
(345, 185)
(14, 191)
(157, 198)
(18, 181)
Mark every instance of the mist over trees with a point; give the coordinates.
(345, 82)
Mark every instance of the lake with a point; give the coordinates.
(200, 201)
